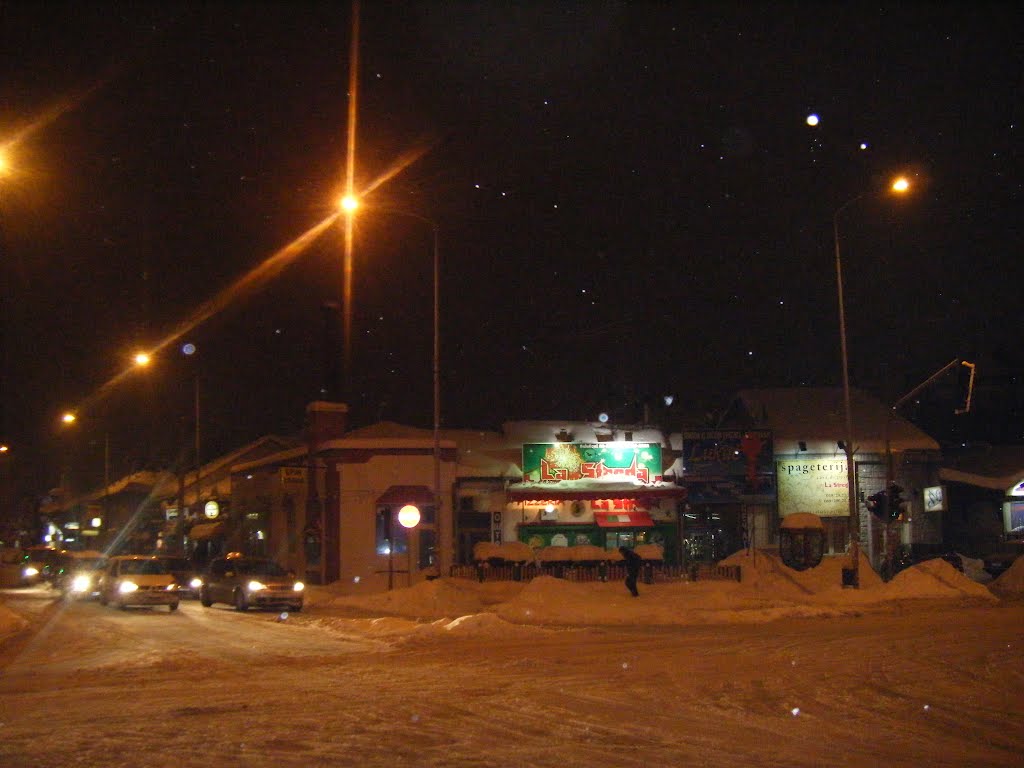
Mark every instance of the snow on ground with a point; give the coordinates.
(769, 590)
(10, 622)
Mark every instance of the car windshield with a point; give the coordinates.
(260, 568)
(85, 563)
(144, 567)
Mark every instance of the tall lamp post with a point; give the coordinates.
(900, 186)
(349, 205)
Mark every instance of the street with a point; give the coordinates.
(934, 683)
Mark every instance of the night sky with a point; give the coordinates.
(631, 203)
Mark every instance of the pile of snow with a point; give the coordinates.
(974, 569)
(1011, 582)
(427, 600)
(935, 579)
(511, 551)
(578, 553)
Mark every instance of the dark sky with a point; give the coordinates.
(629, 198)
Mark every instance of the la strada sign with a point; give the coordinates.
(556, 462)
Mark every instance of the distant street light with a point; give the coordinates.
(900, 186)
(142, 359)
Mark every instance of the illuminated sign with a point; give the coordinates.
(554, 462)
(295, 476)
(211, 509)
(818, 486)
(934, 498)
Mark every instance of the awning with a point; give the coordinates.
(400, 495)
(582, 492)
(205, 531)
(623, 519)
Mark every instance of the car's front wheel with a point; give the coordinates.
(204, 598)
(241, 604)
(172, 607)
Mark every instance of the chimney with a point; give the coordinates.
(325, 421)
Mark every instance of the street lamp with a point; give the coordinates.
(349, 205)
(900, 185)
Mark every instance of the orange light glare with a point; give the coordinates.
(901, 184)
(142, 359)
(349, 203)
(68, 418)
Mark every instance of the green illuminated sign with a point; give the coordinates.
(591, 461)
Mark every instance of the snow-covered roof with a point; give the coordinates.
(818, 413)
(995, 467)
(520, 432)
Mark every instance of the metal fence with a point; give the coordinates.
(650, 573)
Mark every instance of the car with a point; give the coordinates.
(998, 563)
(186, 575)
(246, 582)
(36, 565)
(78, 574)
(138, 580)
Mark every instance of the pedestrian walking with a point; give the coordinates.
(633, 562)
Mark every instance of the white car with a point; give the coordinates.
(138, 580)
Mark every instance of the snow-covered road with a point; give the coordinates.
(935, 683)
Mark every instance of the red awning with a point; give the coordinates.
(623, 519)
(400, 495)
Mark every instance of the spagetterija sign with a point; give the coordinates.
(818, 486)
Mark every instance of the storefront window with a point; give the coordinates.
(388, 525)
(428, 548)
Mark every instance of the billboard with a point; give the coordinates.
(818, 486)
(552, 462)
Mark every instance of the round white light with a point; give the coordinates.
(409, 516)
(603, 418)
(188, 349)
(812, 119)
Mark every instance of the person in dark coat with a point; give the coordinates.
(633, 562)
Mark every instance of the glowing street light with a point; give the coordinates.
(900, 186)
(349, 204)
(69, 418)
(142, 359)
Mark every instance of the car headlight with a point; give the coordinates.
(30, 571)
(196, 583)
(127, 586)
(298, 586)
(81, 583)
(256, 586)
(171, 587)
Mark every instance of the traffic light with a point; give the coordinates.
(896, 502)
(878, 504)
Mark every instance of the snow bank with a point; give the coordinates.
(1011, 582)
(427, 600)
(934, 579)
